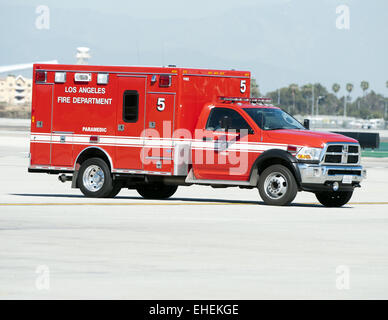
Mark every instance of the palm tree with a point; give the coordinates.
(336, 87)
(349, 88)
(364, 86)
(293, 87)
(385, 107)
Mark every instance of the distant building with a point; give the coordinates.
(15, 90)
(83, 55)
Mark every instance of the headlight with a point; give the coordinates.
(310, 154)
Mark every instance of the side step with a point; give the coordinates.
(192, 179)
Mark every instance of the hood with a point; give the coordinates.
(306, 138)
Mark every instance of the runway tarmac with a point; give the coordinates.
(203, 243)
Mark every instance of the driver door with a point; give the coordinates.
(227, 149)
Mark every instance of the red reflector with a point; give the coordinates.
(292, 149)
(40, 76)
(164, 80)
(94, 139)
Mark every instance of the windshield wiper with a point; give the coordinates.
(277, 128)
(282, 128)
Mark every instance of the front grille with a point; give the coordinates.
(353, 149)
(335, 148)
(342, 154)
(330, 158)
(352, 159)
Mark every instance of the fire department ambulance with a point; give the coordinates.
(156, 128)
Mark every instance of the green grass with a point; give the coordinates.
(381, 152)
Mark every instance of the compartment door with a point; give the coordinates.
(158, 145)
(130, 121)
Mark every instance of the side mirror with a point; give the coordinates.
(226, 123)
(306, 124)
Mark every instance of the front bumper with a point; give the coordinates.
(316, 177)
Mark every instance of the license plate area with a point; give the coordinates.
(347, 179)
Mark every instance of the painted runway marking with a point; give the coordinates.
(162, 203)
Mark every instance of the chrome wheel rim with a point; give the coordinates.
(275, 185)
(93, 178)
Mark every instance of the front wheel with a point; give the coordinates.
(277, 186)
(156, 190)
(334, 198)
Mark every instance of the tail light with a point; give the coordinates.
(164, 80)
(40, 76)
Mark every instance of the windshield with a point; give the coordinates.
(273, 119)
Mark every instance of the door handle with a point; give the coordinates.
(207, 139)
(120, 127)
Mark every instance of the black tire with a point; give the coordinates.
(334, 198)
(85, 177)
(277, 186)
(156, 190)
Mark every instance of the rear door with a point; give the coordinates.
(130, 121)
(41, 124)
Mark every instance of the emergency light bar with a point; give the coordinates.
(242, 99)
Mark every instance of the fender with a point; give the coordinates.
(274, 155)
(97, 148)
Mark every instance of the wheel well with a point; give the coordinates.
(272, 161)
(93, 153)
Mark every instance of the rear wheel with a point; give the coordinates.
(277, 186)
(156, 190)
(334, 198)
(95, 179)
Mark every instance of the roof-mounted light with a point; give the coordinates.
(82, 77)
(102, 78)
(60, 77)
(40, 76)
(164, 80)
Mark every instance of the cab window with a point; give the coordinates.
(235, 120)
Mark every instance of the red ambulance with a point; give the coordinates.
(153, 129)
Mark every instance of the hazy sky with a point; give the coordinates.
(280, 41)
